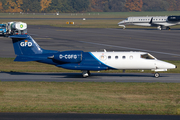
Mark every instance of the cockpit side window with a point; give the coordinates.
(147, 56)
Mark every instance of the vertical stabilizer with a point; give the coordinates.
(25, 45)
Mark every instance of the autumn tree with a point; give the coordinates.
(95, 5)
(1, 8)
(155, 5)
(133, 5)
(174, 5)
(60, 6)
(116, 5)
(79, 5)
(45, 4)
(13, 5)
(31, 6)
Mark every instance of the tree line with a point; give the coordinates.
(67, 6)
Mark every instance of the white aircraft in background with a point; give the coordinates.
(160, 22)
(27, 49)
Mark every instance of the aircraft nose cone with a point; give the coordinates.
(120, 23)
(165, 65)
(171, 66)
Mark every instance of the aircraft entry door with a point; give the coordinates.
(131, 20)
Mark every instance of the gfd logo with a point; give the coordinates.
(26, 43)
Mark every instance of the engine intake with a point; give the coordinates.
(174, 18)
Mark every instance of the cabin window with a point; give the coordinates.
(109, 57)
(147, 56)
(123, 57)
(131, 57)
(116, 57)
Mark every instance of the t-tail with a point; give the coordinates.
(26, 48)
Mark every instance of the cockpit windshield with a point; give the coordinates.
(147, 56)
(127, 19)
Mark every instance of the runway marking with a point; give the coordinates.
(172, 54)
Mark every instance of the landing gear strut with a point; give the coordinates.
(124, 27)
(86, 73)
(159, 27)
(156, 75)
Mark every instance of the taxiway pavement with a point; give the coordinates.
(95, 77)
(71, 116)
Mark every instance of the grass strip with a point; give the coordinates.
(88, 15)
(8, 65)
(77, 97)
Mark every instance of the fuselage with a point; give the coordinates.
(131, 60)
(27, 49)
(96, 61)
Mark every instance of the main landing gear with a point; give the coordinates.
(86, 73)
(156, 75)
(161, 27)
(168, 28)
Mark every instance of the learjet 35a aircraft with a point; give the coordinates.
(157, 21)
(27, 49)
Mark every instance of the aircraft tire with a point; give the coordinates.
(88, 73)
(168, 28)
(156, 75)
(85, 74)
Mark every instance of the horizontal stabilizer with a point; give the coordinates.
(26, 58)
(19, 36)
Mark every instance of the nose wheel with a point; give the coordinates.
(156, 75)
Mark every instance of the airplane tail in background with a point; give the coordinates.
(26, 48)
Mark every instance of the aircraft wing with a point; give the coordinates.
(155, 24)
(162, 23)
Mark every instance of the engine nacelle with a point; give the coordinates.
(69, 56)
(174, 18)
